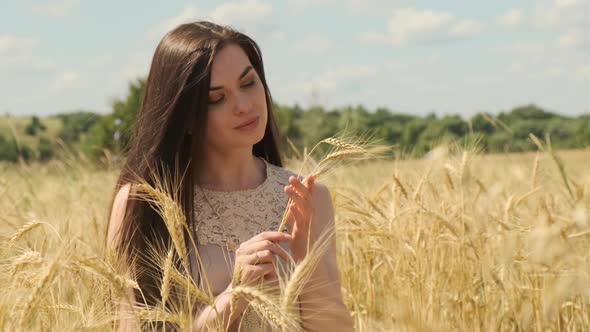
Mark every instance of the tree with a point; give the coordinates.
(113, 131)
(34, 125)
(76, 124)
(11, 151)
(45, 149)
(8, 150)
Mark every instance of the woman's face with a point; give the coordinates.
(237, 111)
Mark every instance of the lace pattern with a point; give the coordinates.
(228, 218)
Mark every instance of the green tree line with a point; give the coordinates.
(96, 135)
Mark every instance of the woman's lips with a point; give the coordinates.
(251, 124)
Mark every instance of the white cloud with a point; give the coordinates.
(13, 46)
(548, 60)
(409, 26)
(64, 80)
(571, 38)
(300, 6)
(54, 9)
(583, 72)
(513, 18)
(373, 38)
(329, 84)
(250, 16)
(466, 28)
(189, 13)
(364, 7)
(370, 6)
(18, 54)
(313, 44)
(99, 60)
(244, 14)
(560, 13)
(278, 35)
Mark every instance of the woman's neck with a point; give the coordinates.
(235, 170)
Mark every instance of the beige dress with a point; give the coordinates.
(226, 219)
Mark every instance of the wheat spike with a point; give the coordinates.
(341, 144)
(304, 270)
(29, 257)
(399, 184)
(167, 277)
(236, 280)
(195, 292)
(268, 308)
(50, 273)
(22, 231)
(153, 315)
(120, 283)
(171, 213)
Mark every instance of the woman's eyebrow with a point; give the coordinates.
(246, 70)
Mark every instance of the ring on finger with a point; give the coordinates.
(257, 258)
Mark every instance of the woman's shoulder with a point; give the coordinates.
(118, 213)
(279, 174)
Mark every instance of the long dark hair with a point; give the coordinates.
(175, 101)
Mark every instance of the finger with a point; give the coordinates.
(264, 245)
(271, 276)
(300, 219)
(299, 201)
(262, 257)
(257, 271)
(290, 222)
(271, 236)
(310, 183)
(299, 187)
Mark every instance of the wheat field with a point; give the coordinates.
(459, 241)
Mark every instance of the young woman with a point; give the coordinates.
(207, 110)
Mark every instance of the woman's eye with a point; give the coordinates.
(249, 83)
(213, 102)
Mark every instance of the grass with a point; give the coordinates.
(460, 241)
(11, 126)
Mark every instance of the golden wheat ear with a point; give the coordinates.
(164, 197)
(268, 307)
(342, 150)
(304, 270)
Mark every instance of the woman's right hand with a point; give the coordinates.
(256, 257)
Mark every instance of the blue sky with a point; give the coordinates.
(448, 57)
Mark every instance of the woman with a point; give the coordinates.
(207, 110)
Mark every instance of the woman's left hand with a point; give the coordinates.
(300, 211)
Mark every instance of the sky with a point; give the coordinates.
(447, 57)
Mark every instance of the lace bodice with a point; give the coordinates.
(228, 218)
(224, 219)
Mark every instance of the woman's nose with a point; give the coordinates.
(243, 103)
